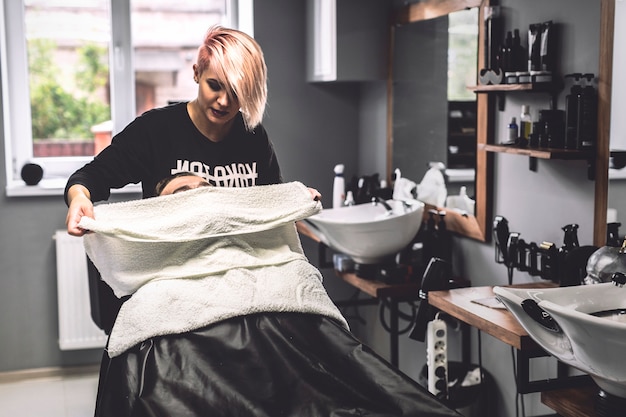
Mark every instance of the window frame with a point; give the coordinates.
(16, 115)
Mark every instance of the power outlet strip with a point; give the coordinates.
(437, 358)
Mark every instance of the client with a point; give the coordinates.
(227, 317)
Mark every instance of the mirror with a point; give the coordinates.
(617, 177)
(418, 79)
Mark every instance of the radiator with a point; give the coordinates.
(76, 328)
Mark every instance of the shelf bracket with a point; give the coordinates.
(501, 100)
(532, 163)
(591, 169)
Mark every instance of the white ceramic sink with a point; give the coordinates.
(369, 233)
(583, 326)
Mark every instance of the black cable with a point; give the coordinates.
(384, 304)
(519, 398)
(480, 357)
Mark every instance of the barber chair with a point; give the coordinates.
(104, 304)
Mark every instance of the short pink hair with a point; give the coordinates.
(238, 61)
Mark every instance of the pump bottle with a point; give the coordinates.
(339, 187)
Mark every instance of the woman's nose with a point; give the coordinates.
(223, 99)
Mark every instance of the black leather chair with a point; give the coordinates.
(104, 304)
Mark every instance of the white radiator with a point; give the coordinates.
(76, 328)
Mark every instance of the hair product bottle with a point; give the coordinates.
(572, 104)
(339, 187)
(513, 131)
(525, 125)
(588, 113)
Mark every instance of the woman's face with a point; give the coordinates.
(216, 102)
(184, 183)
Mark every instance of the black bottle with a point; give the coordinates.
(588, 115)
(506, 53)
(518, 53)
(444, 239)
(429, 237)
(572, 113)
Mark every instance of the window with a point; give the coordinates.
(83, 69)
(462, 54)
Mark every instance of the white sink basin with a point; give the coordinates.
(583, 326)
(369, 233)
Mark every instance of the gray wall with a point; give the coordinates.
(314, 127)
(537, 204)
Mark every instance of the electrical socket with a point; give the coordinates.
(437, 358)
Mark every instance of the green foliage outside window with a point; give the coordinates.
(56, 112)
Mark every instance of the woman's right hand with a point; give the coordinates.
(80, 205)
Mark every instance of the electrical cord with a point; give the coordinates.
(384, 305)
(519, 398)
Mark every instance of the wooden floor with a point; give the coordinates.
(49, 393)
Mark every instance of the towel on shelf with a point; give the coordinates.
(198, 257)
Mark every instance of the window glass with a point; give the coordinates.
(75, 72)
(165, 38)
(68, 50)
(462, 54)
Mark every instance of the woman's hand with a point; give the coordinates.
(315, 194)
(80, 205)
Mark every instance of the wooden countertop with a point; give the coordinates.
(572, 402)
(378, 289)
(497, 322)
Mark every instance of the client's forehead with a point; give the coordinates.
(186, 182)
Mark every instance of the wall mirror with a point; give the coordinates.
(432, 118)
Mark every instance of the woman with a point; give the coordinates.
(218, 135)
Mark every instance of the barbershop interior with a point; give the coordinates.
(466, 257)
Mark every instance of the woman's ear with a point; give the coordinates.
(196, 76)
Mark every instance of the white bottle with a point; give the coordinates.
(349, 199)
(339, 187)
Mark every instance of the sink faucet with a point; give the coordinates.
(376, 200)
(619, 279)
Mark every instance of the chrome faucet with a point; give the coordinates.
(619, 279)
(376, 200)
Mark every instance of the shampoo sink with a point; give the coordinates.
(583, 326)
(370, 232)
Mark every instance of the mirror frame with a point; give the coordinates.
(477, 227)
(429, 9)
(605, 76)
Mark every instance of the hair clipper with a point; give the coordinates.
(501, 237)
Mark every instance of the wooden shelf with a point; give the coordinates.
(572, 402)
(497, 322)
(378, 289)
(501, 88)
(541, 153)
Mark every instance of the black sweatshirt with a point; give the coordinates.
(164, 141)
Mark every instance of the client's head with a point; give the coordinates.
(181, 181)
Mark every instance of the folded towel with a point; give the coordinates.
(205, 255)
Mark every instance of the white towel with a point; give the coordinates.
(205, 255)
